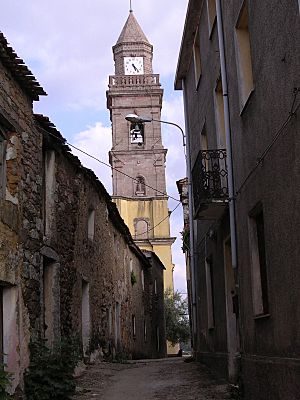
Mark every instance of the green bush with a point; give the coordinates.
(133, 278)
(5, 379)
(50, 372)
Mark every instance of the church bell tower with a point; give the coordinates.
(137, 150)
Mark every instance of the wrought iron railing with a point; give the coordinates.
(210, 178)
(133, 80)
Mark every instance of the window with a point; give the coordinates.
(204, 147)
(141, 229)
(117, 324)
(157, 338)
(258, 261)
(155, 286)
(9, 326)
(51, 300)
(209, 294)
(243, 56)
(203, 139)
(85, 316)
(137, 133)
(91, 224)
(197, 58)
(2, 164)
(143, 279)
(109, 318)
(145, 331)
(211, 13)
(133, 327)
(49, 196)
(140, 187)
(219, 115)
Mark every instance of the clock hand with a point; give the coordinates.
(135, 68)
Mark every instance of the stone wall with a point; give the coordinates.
(252, 305)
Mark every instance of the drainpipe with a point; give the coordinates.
(191, 221)
(231, 190)
(228, 139)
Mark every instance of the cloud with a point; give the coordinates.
(68, 44)
(96, 141)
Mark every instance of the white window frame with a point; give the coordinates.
(211, 15)
(197, 58)
(219, 115)
(243, 56)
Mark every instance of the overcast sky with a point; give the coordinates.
(67, 45)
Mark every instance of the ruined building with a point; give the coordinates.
(68, 262)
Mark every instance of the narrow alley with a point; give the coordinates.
(166, 379)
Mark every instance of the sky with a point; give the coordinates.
(68, 47)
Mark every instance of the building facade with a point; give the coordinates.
(239, 72)
(68, 263)
(137, 150)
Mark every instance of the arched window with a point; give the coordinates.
(140, 187)
(137, 133)
(91, 224)
(141, 229)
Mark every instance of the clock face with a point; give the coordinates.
(134, 65)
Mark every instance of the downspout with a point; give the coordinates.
(228, 138)
(191, 220)
(231, 191)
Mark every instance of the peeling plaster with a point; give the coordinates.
(11, 198)
(11, 153)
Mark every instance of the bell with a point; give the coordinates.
(136, 131)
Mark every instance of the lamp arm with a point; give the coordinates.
(172, 123)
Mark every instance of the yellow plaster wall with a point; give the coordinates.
(154, 210)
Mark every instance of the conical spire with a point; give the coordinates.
(132, 32)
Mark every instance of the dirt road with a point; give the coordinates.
(168, 379)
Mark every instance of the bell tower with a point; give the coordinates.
(137, 150)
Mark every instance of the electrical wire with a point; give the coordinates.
(109, 166)
(260, 159)
(160, 222)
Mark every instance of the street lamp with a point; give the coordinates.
(137, 119)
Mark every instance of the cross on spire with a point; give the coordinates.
(130, 9)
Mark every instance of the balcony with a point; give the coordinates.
(127, 81)
(210, 184)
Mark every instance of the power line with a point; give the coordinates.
(109, 166)
(160, 222)
(261, 158)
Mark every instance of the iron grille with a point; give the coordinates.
(210, 178)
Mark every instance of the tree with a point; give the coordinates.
(176, 314)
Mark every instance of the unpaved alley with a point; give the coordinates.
(151, 380)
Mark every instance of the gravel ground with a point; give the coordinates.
(168, 379)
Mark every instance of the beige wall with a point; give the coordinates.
(159, 240)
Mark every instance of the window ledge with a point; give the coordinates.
(243, 108)
(262, 316)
